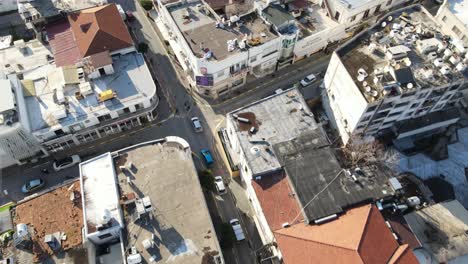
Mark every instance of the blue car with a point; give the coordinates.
(207, 156)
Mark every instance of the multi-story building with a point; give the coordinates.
(402, 77)
(352, 12)
(453, 18)
(296, 185)
(89, 83)
(16, 142)
(218, 49)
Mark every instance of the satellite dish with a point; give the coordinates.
(384, 24)
(410, 86)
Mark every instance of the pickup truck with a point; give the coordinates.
(236, 227)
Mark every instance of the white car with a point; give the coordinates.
(66, 162)
(196, 124)
(308, 80)
(237, 228)
(220, 185)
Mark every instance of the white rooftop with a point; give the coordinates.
(7, 100)
(132, 83)
(460, 9)
(100, 192)
(277, 118)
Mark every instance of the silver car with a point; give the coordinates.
(197, 124)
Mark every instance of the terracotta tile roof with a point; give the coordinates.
(403, 255)
(98, 29)
(358, 236)
(63, 43)
(98, 60)
(276, 199)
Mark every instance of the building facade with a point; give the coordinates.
(453, 18)
(375, 83)
(80, 87)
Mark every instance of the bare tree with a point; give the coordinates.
(358, 151)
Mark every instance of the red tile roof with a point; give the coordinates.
(277, 200)
(63, 44)
(358, 236)
(98, 29)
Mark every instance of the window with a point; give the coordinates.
(59, 132)
(371, 108)
(102, 71)
(366, 14)
(337, 15)
(456, 30)
(105, 236)
(394, 114)
(414, 105)
(104, 118)
(401, 104)
(126, 110)
(138, 106)
(444, 19)
(389, 2)
(454, 87)
(377, 9)
(352, 19)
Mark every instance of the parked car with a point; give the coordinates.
(237, 228)
(66, 162)
(207, 156)
(220, 187)
(32, 185)
(308, 80)
(197, 124)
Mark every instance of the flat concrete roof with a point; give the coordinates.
(413, 36)
(277, 118)
(181, 224)
(200, 31)
(441, 228)
(47, 8)
(316, 21)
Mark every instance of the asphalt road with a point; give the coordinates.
(176, 108)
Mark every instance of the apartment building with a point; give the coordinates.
(219, 44)
(353, 12)
(88, 83)
(297, 187)
(37, 13)
(453, 18)
(402, 77)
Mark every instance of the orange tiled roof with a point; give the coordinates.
(98, 29)
(276, 199)
(359, 236)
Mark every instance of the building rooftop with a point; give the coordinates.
(277, 199)
(321, 186)
(100, 192)
(276, 119)
(99, 29)
(403, 52)
(367, 240)
(460, 9)
(313, 19)
(441, 228)
(180, 224)
(7, 100)
(208, 39)
(131, 83)
(48, 8)
(52, 212)
(352, 4)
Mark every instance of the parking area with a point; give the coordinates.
(12, 183)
